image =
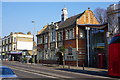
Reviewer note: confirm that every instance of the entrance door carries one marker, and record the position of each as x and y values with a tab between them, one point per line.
60	58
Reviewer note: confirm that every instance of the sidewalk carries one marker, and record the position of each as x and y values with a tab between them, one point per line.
73	67
87	70
66	66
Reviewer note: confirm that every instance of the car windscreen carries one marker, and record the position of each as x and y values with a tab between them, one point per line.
115	40
6	71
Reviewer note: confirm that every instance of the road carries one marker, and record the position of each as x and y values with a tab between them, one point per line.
40	72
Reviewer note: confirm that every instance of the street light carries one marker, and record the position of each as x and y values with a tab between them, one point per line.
88	51
33	41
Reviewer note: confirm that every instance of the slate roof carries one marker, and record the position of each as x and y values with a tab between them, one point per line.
68	22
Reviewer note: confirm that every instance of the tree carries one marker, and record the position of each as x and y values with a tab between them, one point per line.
101	15
113	21
62	49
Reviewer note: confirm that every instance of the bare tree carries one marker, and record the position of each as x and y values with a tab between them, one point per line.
113	21
101	15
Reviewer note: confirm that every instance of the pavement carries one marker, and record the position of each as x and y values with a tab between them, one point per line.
53	69
74	69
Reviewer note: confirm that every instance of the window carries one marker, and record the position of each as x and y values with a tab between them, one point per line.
14	39
8	40
6	48
60	36
41	41
46	39
53	35
82	35
69	34
14	47
9	47
66	34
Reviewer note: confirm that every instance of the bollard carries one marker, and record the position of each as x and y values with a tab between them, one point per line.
83	66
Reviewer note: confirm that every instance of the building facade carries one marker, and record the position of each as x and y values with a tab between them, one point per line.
16	44
66	41
113	12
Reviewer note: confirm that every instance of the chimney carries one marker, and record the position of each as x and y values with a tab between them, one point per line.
64	14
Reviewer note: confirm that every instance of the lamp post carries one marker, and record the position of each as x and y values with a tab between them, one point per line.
33	41
88	42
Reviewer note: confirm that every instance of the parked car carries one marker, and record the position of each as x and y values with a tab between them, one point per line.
6	72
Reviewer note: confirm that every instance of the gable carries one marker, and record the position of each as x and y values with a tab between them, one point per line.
87	18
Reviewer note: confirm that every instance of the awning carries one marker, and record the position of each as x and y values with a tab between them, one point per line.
15	52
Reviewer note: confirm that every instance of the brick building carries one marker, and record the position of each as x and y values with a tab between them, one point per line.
66	40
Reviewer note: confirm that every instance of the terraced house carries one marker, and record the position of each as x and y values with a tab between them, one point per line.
66	41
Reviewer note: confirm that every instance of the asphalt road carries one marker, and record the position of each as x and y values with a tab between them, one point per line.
39	72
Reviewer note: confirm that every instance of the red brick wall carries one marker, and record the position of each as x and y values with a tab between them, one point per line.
82	43
48	61
70	43
71	63
74	63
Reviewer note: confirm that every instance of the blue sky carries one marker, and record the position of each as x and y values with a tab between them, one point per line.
17	16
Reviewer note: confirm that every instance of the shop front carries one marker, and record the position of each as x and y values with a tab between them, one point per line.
14	55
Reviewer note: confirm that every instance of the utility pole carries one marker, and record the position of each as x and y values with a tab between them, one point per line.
33	41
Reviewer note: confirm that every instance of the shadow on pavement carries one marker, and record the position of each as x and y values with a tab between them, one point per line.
99	73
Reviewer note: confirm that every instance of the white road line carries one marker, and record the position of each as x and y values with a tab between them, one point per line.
95	76
45	73
34	73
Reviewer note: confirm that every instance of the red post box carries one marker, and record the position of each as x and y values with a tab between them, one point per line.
101	58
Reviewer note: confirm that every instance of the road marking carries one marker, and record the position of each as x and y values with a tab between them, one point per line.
34	73
44	73
96	76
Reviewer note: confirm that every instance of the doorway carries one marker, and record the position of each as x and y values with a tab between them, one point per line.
60	58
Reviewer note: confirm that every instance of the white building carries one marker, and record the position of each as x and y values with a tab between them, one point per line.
15	44
113	19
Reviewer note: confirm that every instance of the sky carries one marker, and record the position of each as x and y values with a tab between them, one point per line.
18	16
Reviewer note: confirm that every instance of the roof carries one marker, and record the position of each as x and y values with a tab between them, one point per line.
99	26
46	28
70	21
